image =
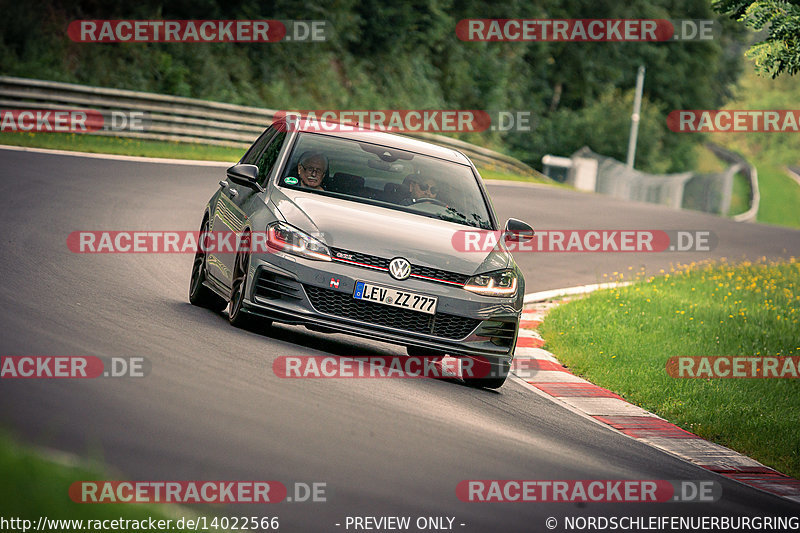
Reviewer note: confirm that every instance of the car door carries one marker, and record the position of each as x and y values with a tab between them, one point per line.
231	215
236	203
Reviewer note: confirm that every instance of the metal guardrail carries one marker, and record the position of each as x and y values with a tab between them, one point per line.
750	172
710	192
175	118
794	173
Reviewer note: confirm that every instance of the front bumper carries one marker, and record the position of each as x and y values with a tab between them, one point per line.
293	290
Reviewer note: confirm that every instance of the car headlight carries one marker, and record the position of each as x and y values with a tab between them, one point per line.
500	283
282	236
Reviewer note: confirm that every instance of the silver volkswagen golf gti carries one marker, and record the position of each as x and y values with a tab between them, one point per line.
356	232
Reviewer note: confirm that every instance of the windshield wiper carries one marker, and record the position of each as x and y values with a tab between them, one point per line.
454	215
456	212
478	220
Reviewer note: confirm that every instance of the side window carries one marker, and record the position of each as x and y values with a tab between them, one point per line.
268	158
252	154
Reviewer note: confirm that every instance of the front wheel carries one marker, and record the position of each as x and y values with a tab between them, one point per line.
236	316
485	374
199	294
417	351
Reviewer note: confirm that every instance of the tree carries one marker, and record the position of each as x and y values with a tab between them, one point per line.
780	51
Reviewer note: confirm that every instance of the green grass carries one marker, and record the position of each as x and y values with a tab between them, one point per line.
621	339
769	152
122	146
495	174
740	196
780	195
34	486
707	161
178	150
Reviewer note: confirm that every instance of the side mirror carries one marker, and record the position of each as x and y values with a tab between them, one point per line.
517	231
246	175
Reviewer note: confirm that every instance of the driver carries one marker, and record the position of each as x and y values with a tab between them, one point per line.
311	169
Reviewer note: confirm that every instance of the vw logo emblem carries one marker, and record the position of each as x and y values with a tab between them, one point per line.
399	268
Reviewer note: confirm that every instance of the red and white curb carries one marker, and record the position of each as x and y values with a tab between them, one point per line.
541	371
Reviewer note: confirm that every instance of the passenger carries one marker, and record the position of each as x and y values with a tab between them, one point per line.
420	187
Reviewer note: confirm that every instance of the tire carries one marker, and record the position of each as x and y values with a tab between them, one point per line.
493	374
199	294
236	315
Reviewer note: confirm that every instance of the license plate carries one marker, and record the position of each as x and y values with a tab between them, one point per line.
395	298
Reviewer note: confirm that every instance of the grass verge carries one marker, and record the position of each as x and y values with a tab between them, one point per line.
769	152
100	144
178	150
34	486
495	174
780	195
622	338
740	196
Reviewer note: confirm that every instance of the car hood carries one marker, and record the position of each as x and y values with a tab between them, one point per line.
383	232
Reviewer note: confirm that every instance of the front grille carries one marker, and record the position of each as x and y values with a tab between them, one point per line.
416	270
364	259
443	275
344	305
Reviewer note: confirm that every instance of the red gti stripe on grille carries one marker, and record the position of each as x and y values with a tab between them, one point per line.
360	264
437	279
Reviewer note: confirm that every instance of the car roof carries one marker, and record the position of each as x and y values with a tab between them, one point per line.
389	140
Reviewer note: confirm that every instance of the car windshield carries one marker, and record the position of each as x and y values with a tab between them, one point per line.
391	178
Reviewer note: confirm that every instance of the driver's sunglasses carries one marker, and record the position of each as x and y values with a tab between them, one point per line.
313	170
425	186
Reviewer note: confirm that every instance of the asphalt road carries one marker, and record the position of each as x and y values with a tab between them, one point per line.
212	408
